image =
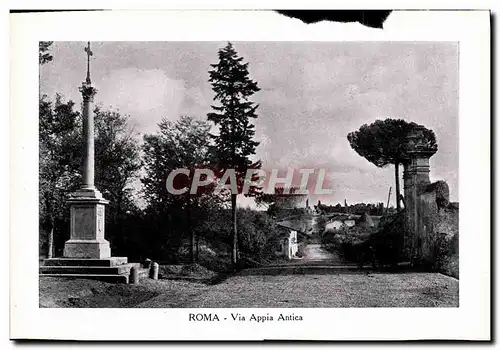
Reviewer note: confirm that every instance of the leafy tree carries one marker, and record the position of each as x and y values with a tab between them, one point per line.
43	55
320	224
234	144
385	142
46	150
117	152
256	227
61	157
58	172
180	144
116	173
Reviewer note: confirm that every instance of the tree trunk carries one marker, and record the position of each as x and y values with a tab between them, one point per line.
50	248
117	237
192	247
191	233
396	173
50	253
234	255
197	247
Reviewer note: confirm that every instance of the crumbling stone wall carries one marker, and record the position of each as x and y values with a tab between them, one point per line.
436	236
431	234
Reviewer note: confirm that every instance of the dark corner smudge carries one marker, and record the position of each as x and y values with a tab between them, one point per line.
369	18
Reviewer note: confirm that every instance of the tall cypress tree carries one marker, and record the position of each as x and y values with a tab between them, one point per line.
233	115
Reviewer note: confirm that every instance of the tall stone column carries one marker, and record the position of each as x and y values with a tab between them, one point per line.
87	206
88	93
409	207
416	178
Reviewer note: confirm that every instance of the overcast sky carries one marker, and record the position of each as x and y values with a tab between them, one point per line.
312	95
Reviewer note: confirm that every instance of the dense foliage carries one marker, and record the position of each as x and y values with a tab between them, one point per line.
58	170
381	246
43	52
357	208
180	144
61	156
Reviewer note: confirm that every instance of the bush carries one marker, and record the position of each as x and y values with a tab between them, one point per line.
254	229
380	247
347	242
387	243
445	255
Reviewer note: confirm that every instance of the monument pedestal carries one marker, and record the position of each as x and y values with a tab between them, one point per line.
87	226
87	254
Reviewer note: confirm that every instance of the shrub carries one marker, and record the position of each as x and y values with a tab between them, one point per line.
254	230
382	246
445	255
387	242
346	242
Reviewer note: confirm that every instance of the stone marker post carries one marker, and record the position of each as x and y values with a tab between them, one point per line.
134	275
153	271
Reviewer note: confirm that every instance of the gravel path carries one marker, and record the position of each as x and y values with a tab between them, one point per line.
335	290
344	289
314	251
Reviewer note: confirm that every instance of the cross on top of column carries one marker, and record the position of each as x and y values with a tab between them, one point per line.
86	89
89	53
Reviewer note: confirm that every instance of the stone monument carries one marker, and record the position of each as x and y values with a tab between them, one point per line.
87	204
87	253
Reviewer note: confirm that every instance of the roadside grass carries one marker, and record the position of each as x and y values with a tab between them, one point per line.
86	293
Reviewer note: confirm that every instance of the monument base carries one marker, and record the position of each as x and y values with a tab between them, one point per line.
87	254
87	226
115	269
86	249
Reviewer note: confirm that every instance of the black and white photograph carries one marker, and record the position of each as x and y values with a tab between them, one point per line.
239	182
349	151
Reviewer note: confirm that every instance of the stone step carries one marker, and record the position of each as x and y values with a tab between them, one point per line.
92	270
108	262
104	278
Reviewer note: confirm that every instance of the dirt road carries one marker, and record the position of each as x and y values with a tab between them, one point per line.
330	290
314	251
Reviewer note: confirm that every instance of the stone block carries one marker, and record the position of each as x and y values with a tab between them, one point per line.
90	270
107	262
105	278
87	249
